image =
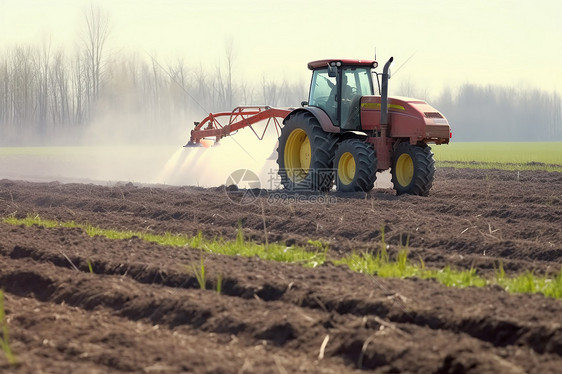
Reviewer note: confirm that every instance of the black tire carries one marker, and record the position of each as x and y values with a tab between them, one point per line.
302	168
413	169
356	165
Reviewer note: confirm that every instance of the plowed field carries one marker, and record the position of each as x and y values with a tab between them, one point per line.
142	310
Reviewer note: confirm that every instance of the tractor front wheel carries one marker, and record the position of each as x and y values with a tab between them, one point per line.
413	169
305	154
356	165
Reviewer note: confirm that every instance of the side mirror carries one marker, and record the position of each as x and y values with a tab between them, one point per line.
304	103
332	71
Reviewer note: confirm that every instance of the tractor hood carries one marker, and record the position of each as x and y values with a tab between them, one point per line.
408	118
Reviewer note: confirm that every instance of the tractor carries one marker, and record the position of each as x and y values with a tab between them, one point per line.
344	133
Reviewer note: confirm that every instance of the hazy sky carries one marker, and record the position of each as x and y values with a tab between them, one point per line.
479	41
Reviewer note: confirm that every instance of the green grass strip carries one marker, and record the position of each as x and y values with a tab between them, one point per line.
531	166
373	263
5	336
502	152
401	267
238	247
546	156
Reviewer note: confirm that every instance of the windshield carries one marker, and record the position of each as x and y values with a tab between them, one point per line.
355	83
323	92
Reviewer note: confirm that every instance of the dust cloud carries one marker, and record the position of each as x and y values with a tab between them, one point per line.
212	166
116	154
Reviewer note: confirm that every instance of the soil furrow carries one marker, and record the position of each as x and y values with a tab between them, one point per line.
286	285
277	325
142	310
56	338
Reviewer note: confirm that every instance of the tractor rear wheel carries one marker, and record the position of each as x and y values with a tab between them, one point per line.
356	166
413	169
305	154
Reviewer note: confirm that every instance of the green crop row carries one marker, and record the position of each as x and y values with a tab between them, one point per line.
238	247
380	264
377	262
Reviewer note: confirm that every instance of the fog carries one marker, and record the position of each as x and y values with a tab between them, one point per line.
480	113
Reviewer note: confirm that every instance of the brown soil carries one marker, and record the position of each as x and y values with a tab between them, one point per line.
142	309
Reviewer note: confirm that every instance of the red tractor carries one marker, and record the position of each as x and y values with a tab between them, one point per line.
345	133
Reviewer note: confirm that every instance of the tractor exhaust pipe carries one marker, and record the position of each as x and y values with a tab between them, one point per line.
384	92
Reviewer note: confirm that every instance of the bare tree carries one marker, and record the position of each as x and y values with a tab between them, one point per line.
178	83
230	57
96	34
78	90
270	92
24	85
409	89
59	82
202	89
219	100
4	92
247	93
42	93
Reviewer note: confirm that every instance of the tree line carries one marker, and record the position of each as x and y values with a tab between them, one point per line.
494	113
47	94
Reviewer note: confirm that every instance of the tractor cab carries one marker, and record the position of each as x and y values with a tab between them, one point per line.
337	87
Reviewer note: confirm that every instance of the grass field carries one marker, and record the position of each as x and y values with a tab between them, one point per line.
510	156
481	155
72	151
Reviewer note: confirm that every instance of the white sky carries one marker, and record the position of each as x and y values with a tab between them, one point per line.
513	43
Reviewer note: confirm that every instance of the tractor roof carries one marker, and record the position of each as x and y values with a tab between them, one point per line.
342	62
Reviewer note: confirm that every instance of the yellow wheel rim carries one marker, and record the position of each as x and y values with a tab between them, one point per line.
297	155
346	168
404	169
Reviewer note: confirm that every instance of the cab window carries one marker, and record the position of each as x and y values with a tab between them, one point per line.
323	91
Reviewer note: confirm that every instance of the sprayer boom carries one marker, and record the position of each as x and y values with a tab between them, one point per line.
240	117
